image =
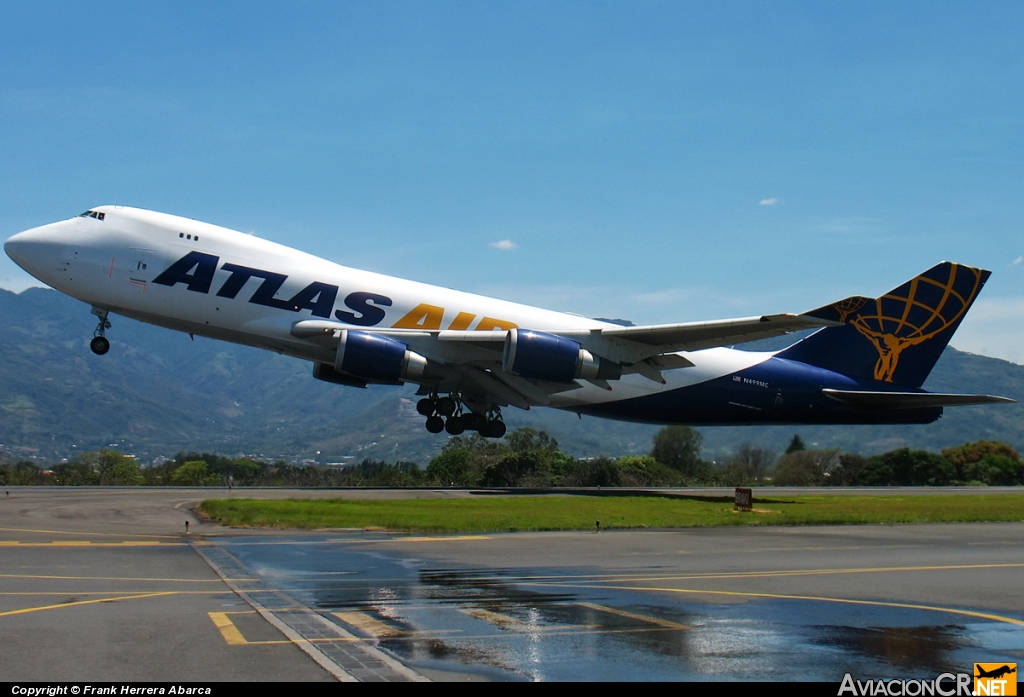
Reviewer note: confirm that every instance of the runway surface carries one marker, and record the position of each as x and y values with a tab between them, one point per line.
103	584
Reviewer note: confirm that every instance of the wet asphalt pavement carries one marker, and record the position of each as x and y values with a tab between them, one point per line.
570	623
104	584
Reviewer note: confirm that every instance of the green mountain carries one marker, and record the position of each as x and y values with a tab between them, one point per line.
158	392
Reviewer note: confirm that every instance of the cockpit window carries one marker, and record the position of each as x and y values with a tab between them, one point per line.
93	214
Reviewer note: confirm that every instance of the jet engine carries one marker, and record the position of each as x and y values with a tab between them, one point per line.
327	373
378	358
541	356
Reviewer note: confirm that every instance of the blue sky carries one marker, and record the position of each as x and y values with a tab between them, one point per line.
656	161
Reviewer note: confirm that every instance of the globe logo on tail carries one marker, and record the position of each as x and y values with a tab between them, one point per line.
912	314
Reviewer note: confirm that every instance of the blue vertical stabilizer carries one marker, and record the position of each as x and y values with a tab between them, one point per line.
898	337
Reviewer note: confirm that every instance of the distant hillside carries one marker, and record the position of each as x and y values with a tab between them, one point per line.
158	392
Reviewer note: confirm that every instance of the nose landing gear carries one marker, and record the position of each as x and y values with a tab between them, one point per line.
100	344
447	414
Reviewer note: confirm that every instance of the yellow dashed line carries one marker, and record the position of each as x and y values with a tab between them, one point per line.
625	578
809	572
59	606
118	592
240	640
496	618
438	539
512	624
847	601
368	624
634	616
227	628
86	534
90	543
115	578
234	637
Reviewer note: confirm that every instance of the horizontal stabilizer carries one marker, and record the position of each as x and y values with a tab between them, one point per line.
909	400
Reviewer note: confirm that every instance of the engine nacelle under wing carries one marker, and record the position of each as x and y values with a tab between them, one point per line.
553	358
375	357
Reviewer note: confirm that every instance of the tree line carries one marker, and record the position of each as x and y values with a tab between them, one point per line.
530	458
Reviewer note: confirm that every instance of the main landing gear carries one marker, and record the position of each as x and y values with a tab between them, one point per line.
448	414
100	344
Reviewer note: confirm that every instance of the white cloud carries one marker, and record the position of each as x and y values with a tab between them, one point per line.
769	202
503	244
1017	261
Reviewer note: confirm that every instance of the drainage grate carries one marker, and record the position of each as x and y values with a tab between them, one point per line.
346	656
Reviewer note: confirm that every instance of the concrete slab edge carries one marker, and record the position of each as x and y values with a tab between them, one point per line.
312	651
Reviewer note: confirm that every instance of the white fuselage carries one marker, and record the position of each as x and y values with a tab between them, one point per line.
240	288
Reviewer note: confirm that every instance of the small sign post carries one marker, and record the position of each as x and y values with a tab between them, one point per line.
744	499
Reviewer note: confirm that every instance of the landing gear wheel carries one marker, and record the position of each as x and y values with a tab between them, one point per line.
454	425
99	345
446	406
425	406
435	424
493	429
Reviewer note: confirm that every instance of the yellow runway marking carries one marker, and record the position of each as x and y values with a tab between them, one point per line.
620	578
266	542
811	572
87	534
370	625
495	618
117	578
634	616
26	610
90	543
234	637
227	628
119	592
780	596
513	624
437	539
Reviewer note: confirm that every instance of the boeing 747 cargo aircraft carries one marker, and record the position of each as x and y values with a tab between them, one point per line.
471	355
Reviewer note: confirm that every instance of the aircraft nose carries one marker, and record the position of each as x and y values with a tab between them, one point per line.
36	250
11	248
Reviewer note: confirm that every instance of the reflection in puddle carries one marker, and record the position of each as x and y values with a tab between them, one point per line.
524	624
907	648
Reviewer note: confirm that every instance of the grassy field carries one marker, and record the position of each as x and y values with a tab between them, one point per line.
511	513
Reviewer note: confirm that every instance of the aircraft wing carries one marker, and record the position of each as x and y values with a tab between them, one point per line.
635	344
693	336
472	359
623	344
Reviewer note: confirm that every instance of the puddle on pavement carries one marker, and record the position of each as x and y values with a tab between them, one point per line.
517	624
